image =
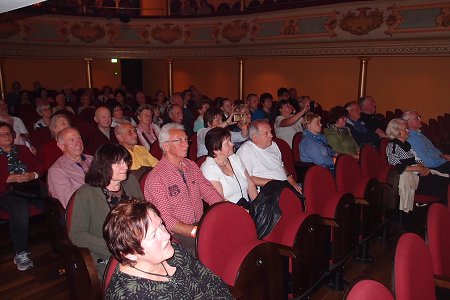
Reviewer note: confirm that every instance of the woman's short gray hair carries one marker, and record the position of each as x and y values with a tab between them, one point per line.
164	135
143	107
41	107
54	119
395	126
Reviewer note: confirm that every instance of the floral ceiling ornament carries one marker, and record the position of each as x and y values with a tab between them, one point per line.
145	34
166	33
290	27
235	31
255	28
361	21
63	31
393	20
8	27
443	20
331	23
88	32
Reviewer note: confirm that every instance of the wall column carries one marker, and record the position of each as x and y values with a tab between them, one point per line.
89	80
241	79
170	76
168	8
363	62
242	5
2	80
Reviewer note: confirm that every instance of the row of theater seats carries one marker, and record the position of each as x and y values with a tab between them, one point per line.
304	241
420	272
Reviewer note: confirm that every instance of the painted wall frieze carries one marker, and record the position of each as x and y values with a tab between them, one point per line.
88	32
361	21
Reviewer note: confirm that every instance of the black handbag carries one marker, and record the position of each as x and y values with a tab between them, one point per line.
28	189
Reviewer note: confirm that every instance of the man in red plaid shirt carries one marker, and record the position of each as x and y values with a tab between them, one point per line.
176	186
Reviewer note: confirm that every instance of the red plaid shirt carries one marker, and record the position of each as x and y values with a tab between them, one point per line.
176	200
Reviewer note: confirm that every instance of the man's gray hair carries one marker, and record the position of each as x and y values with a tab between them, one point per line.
253	128
164	135
406	115
60	136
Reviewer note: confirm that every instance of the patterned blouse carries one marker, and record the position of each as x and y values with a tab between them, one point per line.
400	155
190	281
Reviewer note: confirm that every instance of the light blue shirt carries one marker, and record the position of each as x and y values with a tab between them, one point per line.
425	149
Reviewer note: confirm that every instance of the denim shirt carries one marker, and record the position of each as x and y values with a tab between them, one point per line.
425	150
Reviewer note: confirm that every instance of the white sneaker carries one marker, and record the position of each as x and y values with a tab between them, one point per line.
22	261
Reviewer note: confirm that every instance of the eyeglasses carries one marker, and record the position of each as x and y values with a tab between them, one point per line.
179	141
5	134
405	129
416	118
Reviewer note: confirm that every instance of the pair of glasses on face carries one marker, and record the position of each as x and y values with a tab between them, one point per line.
180	140
6	134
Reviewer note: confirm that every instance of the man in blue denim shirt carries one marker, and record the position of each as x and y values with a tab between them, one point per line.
425	150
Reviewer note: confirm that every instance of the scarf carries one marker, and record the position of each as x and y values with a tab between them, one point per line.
15	166
404	145
341	131
321	139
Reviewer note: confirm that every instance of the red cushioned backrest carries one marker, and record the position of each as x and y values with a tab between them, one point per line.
438	228
143	178
370	161
199	161
295	146
193	147
108	274
383	144
69	212
369	290
318	188
413	270
293	214
286	156
40	136
155	150
348	173
226	233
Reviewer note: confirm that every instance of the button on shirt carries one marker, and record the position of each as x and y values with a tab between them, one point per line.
65	176
425	149
179	199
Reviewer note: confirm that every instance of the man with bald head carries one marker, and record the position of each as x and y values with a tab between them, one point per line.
432	157
103	133
368	116
187	114
66	175
126	134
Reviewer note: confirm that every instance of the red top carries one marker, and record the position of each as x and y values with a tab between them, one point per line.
175	199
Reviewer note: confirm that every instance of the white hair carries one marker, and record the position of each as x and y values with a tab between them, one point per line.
164	133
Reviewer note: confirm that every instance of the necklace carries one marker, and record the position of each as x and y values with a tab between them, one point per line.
224	164
169	277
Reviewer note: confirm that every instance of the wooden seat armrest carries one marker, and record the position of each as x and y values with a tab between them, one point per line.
442	281
330	222
361	201
287	251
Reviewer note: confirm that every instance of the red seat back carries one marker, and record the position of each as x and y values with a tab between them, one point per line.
413	270
370	161
369	290
348	176
143	178
286	156
193	147
155	150
69	212
199	161
40	136
225	236
295	146
318	188
383	144
109	271
438	227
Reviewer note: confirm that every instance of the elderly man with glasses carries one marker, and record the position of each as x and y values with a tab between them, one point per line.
432	157
176	186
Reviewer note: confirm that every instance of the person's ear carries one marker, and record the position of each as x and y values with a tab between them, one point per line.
131	257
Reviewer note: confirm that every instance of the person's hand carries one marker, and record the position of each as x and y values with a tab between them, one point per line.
229	121
446	156
292	181
424	171
19	178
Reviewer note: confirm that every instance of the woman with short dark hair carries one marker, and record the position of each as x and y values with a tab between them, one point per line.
107	183
225	170
150	266
338	135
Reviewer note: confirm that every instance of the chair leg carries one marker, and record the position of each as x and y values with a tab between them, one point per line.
338	283
363	256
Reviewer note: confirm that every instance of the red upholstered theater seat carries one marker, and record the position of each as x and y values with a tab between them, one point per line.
286	156
227	244
199	161
438	238
193	147
369	290
306	237
109	271
155	150
413	270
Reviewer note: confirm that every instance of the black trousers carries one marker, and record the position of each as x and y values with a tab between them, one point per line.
17	208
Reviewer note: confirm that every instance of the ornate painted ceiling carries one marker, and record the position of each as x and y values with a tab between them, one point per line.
357	28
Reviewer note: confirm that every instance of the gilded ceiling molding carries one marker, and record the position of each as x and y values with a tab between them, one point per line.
330	50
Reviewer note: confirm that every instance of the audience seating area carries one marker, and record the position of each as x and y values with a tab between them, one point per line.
313	239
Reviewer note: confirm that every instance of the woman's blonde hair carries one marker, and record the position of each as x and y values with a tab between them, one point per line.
395	126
